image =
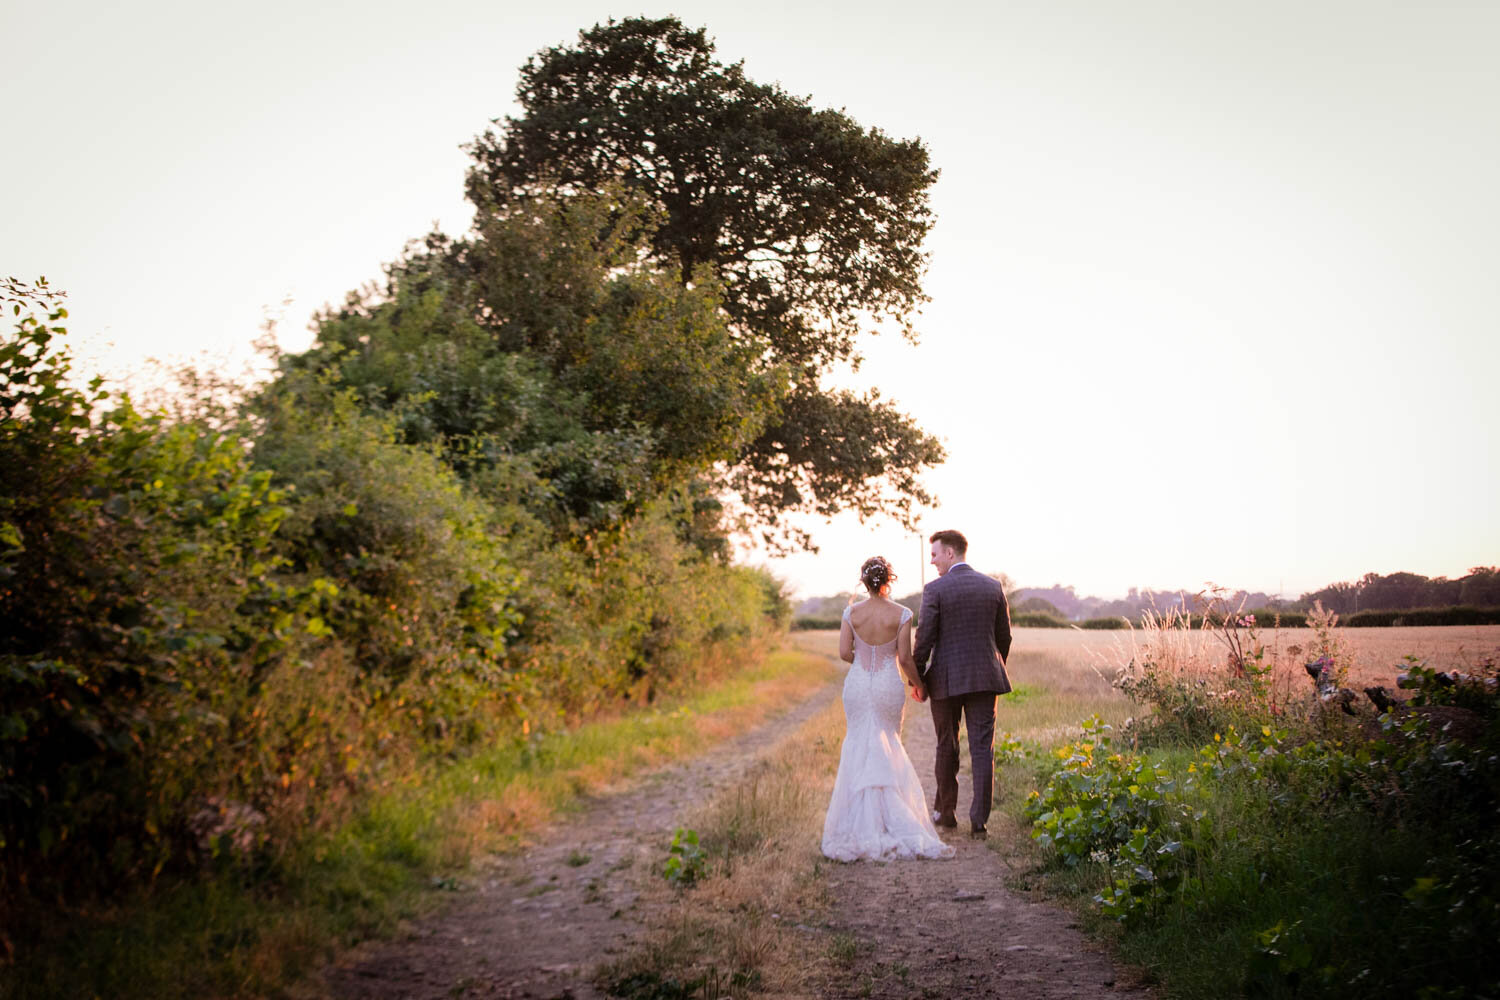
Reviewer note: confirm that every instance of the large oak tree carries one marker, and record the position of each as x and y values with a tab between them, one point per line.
811	224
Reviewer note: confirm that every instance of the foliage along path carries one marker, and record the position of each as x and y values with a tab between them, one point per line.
538	923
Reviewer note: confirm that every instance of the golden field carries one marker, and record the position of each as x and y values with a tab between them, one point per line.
1374	654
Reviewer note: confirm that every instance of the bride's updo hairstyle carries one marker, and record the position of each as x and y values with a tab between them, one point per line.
876	574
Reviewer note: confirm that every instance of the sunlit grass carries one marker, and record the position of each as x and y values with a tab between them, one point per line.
240	933
1052	693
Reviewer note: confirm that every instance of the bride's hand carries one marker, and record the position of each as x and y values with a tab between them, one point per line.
918	692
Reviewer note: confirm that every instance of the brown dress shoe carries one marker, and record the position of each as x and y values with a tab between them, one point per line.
978	833
948	822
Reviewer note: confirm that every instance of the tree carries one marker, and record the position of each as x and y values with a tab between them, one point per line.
811	225
1007	586
1481	587
548	351
1036	606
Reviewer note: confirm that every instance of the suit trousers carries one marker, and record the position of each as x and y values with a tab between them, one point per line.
978	711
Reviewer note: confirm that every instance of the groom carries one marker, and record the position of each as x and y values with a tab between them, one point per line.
965	628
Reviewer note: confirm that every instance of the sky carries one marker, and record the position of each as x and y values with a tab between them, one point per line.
1213	285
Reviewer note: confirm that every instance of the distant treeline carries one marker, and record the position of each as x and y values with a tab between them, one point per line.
1480	588
1272	617
1264	618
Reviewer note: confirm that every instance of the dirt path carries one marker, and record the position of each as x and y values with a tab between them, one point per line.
951	928
535	924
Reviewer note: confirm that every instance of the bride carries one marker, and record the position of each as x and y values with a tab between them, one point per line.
878	810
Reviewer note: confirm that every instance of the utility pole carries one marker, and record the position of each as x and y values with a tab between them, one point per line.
922	562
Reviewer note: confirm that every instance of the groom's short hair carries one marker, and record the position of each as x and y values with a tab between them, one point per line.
955	540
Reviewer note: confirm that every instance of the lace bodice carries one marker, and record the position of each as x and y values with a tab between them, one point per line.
874	692
872	657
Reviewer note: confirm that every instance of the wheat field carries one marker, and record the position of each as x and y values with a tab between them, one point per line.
1375	655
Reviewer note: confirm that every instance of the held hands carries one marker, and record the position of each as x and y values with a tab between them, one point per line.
918	692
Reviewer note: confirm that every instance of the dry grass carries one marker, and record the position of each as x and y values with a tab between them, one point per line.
1052	693
743	929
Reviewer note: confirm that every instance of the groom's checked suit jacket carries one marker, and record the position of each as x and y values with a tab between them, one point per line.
965	627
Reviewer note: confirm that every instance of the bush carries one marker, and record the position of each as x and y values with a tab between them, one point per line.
216	635
132	546
1279	859
1101	800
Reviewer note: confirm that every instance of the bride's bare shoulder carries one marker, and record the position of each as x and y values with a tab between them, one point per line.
874	616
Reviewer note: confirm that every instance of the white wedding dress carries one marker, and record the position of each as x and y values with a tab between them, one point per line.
878	810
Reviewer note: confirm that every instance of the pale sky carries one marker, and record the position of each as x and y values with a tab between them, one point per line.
1214	285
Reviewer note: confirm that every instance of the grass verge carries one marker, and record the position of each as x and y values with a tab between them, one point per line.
246	932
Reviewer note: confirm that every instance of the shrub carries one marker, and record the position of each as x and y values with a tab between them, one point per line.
1196	689
686	860
132	544
219	633
1298	850
1101	796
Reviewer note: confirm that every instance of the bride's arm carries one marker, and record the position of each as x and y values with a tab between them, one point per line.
904	659
846	641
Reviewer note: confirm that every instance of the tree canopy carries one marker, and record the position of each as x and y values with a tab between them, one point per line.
551	359
810	224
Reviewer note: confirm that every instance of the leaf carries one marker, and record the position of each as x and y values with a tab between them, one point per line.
1420	889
